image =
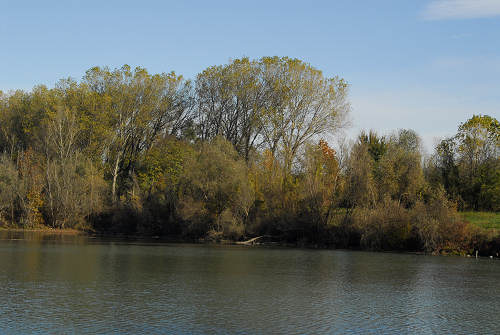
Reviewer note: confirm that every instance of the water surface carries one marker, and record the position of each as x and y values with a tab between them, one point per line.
75	284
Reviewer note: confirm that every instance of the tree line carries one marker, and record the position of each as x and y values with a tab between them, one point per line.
242	150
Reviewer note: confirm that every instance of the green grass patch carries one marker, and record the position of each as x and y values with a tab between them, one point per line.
485	220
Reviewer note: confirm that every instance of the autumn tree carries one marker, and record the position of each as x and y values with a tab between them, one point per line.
215	193
321	180
307	105
468	164
400	173
230	101
281	103
139	107
478	144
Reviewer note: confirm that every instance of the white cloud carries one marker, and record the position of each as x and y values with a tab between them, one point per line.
461	9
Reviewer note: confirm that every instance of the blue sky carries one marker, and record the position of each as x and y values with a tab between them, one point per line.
421	64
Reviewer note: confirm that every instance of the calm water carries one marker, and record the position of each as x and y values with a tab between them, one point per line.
67	284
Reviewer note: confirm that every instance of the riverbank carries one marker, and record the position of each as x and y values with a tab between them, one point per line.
46	230
488	245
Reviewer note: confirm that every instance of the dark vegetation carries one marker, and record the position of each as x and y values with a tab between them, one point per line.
238	152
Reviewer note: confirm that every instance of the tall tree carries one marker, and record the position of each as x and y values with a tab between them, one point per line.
279	102
139	108
303	104
230	99
478	144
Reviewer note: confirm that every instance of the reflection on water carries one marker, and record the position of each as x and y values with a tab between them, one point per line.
67	284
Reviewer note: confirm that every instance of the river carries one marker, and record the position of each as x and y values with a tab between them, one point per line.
64	284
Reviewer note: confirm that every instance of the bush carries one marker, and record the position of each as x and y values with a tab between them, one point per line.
385	227
214	191
439	228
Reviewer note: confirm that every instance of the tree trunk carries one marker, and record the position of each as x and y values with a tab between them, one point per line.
115	176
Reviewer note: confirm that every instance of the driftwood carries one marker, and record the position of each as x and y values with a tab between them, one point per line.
255	240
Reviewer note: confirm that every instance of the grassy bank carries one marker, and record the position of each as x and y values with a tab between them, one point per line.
489	221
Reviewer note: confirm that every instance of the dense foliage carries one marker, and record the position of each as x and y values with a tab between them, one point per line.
236	153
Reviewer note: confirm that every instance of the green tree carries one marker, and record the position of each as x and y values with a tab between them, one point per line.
139	107
230	101
478	144
215	194
303	104
11	190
